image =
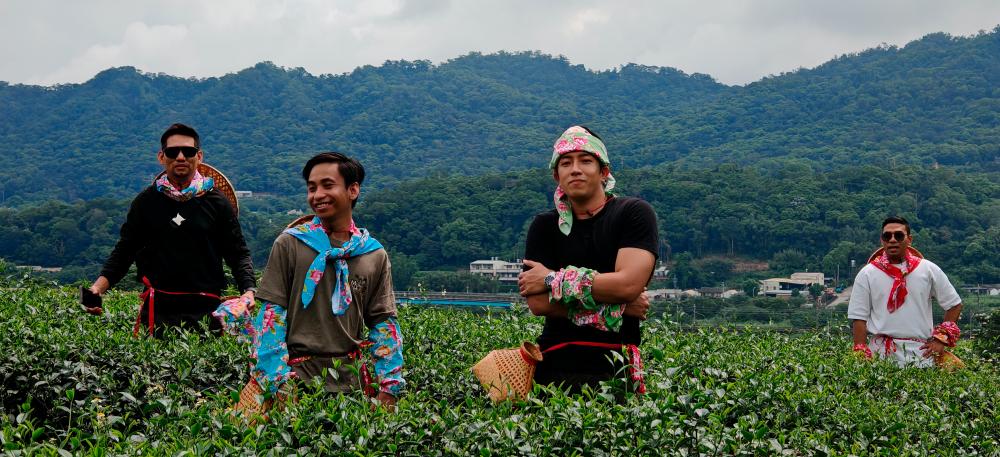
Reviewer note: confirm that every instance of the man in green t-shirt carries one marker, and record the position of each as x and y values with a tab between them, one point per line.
326	294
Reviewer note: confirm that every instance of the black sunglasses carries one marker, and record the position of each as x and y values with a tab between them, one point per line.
173	151
888	236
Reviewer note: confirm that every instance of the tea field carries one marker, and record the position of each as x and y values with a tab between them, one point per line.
79	384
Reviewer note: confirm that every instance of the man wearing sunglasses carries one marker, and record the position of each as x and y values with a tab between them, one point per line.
891	300
178	232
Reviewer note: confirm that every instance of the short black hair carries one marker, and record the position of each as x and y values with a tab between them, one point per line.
350	169
896	220
179	129
592	133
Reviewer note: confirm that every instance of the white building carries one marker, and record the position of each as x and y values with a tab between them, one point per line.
783	287
664	294
983	289
730	293
500	270
813	278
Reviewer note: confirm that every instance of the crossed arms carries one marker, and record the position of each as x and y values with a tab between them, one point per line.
633	267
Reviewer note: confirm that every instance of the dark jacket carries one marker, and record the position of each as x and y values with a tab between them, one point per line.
180	246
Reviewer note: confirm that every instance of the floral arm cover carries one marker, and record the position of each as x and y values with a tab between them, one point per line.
386	348
571	288
947	333
265	331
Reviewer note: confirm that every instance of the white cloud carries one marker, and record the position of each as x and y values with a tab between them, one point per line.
585	21
50	41
140	44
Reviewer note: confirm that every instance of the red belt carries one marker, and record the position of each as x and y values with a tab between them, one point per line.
635	371
150	294
890	342
363	373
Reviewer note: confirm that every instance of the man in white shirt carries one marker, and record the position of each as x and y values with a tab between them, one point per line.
891	300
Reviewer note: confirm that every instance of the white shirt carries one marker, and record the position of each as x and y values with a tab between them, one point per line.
870	298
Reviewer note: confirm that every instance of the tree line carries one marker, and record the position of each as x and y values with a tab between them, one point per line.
792	217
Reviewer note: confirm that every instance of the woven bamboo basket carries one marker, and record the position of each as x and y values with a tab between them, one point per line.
300	220
948	362
508	373
252	406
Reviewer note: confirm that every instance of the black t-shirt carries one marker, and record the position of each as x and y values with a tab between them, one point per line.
593	243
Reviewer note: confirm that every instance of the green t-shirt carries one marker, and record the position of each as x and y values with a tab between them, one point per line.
315	331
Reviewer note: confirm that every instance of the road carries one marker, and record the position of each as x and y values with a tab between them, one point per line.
841	297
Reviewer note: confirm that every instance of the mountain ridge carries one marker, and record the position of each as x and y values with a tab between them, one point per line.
931	102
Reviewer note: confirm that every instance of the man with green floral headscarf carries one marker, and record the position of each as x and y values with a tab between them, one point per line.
587	263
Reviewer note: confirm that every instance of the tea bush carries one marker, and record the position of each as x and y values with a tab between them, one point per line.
75	383
988	342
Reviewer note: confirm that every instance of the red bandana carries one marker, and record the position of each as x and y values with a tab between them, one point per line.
898	293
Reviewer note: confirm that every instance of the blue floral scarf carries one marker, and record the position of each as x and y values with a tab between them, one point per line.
313	235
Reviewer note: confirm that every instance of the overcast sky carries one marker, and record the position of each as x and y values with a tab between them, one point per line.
737	42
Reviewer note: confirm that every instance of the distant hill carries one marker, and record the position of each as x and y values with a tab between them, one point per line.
471	115
934	101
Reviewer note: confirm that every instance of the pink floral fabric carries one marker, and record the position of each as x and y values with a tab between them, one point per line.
576	138
947	332
571	287
199	185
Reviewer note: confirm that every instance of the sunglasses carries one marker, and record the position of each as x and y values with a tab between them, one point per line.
173	151
889	236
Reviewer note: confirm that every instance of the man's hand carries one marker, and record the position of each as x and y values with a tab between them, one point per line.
100	285
248	298
240	305
638	308
91	301
932	348
532	280
386	401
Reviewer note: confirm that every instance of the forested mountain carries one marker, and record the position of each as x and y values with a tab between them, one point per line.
936	100
471	115
793	217
796	169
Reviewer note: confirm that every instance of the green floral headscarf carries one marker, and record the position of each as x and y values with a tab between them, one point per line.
577	138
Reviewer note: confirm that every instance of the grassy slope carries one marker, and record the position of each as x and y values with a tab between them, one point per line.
94	389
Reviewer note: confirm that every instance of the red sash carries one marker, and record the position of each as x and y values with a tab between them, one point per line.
635	371
898	293
889	343
149	294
